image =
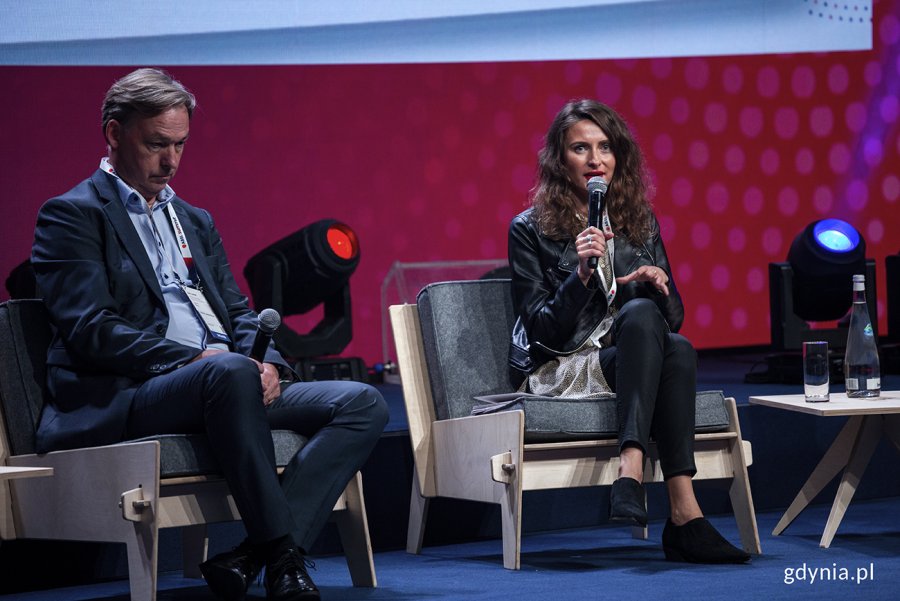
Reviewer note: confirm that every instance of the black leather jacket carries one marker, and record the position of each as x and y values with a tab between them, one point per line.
556	311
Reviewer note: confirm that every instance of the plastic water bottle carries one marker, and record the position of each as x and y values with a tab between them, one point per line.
862	373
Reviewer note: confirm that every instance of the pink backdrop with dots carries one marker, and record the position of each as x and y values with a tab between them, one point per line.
430	162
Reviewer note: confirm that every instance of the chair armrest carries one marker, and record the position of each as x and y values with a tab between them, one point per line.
88	483
464	448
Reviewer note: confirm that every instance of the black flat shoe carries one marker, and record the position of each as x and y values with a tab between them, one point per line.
229	574
627	502
698	542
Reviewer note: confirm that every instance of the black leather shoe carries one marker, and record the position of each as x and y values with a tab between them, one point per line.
287	579
699	542
229	574
626	502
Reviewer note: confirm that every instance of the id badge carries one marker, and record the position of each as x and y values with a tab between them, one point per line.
204	310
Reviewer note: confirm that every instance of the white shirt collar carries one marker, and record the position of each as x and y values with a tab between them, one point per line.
130	197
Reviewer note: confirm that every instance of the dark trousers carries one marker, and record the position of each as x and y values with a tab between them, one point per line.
654	375
221	396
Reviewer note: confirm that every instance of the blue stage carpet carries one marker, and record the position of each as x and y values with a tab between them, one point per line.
606	563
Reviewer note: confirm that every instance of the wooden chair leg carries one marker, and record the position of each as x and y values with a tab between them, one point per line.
418	514
194	546
511	523
353	528
142	551
741	497
742	500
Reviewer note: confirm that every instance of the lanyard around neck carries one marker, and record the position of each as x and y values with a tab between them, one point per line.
610	255
182	242
180	237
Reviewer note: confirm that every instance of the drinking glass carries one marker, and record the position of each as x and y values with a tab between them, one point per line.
815	371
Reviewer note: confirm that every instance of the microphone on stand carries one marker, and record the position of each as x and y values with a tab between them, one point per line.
596	195
269	320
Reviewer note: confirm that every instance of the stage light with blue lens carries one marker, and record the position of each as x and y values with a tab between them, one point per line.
835	235
824	257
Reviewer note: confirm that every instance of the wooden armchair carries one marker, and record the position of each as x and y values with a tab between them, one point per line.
452	346
125	492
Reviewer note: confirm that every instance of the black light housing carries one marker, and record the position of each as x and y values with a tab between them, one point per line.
824	257
892	273
294	275
815	284
890	348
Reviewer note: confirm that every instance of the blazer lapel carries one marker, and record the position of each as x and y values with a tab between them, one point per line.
131	242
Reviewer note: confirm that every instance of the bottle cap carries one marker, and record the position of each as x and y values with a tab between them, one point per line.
859	278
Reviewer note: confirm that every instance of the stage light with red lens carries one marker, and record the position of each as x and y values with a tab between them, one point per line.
343	241
296	274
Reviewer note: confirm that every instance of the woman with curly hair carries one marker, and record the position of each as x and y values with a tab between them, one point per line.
593	331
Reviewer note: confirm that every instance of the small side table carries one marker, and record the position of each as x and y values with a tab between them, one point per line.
870	419
12	473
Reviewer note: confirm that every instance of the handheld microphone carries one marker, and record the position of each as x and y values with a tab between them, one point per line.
596	194
269	320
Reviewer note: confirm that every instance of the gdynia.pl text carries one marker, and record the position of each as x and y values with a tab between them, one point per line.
810	575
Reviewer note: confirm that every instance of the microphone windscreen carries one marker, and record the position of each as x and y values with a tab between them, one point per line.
269	320
597	184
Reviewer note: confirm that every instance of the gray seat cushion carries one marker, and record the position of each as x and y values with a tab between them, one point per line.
549	419
190	454
466	329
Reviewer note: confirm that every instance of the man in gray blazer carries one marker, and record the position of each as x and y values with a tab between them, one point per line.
153	337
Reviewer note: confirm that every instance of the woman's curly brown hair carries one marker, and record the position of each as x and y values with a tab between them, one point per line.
557	209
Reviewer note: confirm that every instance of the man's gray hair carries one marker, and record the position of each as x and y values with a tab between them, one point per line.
145	93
